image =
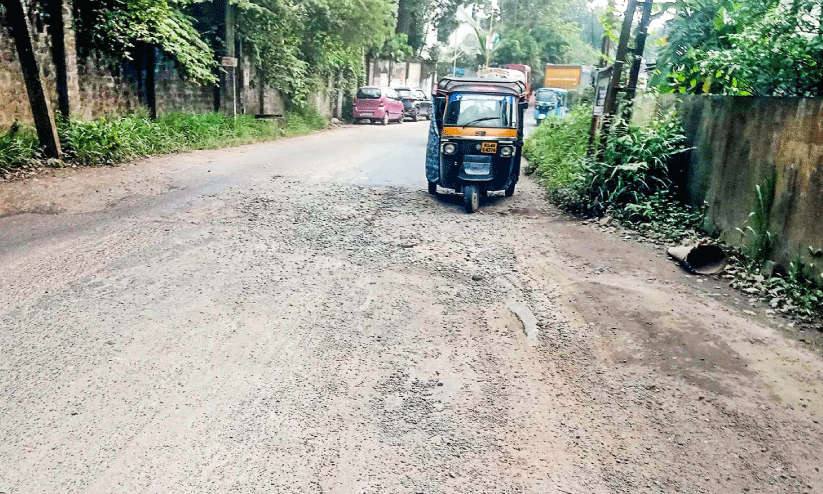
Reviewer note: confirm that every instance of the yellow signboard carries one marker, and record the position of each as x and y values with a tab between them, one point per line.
563	76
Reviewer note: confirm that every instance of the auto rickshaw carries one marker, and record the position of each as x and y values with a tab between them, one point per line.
549	102
476	137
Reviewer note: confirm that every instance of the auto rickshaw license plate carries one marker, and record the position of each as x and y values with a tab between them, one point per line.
488	147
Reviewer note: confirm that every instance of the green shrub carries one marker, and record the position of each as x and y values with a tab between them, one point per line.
633	165
556	153
109	141
631	169
19	148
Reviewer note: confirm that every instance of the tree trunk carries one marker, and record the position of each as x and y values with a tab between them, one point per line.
149	60
404	16
40	111
56	29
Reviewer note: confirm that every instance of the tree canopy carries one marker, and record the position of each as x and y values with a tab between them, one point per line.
745	47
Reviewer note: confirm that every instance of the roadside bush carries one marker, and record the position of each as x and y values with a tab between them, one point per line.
114	140
556	153
633	165
108	141
19	148
303	121
630	178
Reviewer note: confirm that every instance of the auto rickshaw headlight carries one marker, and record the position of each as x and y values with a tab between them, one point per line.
506	151
449	148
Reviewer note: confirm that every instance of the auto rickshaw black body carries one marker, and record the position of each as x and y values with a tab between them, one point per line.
476	137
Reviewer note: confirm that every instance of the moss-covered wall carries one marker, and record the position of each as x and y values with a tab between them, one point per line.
741	142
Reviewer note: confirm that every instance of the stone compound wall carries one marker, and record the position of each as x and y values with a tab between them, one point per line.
173	94
95	92
739	143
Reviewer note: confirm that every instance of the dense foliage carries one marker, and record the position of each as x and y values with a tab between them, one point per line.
632	168
292	43
116	29
537	32
530	32
747	47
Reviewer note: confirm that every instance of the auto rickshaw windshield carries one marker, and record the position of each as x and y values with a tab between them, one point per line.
547	95
481	110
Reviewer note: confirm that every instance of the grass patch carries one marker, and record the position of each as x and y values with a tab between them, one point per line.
19	148
109	141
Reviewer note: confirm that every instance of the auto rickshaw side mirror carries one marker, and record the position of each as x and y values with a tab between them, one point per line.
523	106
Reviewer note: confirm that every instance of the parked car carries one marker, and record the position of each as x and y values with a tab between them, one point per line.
377	104
415	103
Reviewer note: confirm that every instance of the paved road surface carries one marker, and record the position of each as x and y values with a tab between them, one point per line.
302	317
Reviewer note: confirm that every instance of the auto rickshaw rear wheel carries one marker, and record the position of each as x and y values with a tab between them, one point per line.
510	191
432	188
471	198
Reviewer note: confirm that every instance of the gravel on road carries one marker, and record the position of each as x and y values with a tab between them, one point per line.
296	335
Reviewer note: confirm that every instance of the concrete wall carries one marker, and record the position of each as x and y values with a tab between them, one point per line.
398	74
738	143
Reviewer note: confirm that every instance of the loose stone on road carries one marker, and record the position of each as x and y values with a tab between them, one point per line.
302	316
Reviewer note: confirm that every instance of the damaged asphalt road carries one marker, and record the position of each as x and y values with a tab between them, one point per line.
301	316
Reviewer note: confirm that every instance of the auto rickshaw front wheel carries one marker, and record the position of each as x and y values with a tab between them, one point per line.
432	188
471	198
510	191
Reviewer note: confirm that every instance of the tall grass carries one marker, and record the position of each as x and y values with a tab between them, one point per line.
109	141
556	153
19	148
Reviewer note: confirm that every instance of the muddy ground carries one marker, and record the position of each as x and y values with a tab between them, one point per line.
301	317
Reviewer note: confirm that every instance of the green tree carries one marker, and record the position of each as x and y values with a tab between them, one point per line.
537	32
115	28
761	47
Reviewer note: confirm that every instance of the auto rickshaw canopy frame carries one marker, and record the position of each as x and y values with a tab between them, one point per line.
449	85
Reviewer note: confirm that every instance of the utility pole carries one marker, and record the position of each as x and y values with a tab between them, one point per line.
610	104
229	62
40	111
639	48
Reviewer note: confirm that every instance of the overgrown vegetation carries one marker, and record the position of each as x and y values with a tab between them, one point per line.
19	148
556	153
630	177
630	181
745	47
115	140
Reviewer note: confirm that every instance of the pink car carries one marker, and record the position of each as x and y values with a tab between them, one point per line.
377	104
